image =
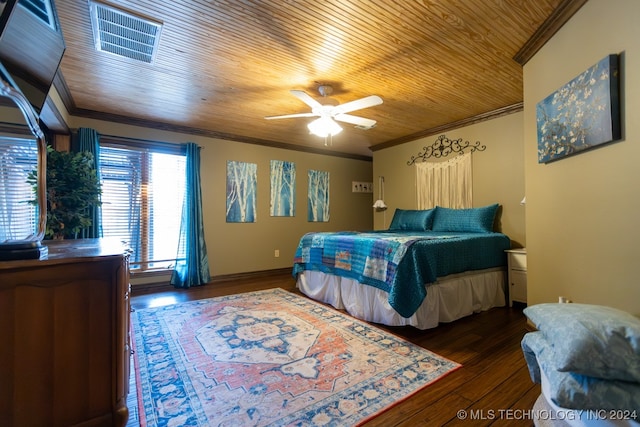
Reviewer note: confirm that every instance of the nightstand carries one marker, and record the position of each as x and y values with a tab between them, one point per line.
517	270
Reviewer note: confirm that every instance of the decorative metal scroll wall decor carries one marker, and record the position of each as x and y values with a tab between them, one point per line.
444	146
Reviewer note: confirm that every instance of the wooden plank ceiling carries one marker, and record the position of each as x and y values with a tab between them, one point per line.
222	66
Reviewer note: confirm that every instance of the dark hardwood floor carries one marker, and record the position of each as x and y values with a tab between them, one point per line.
493	386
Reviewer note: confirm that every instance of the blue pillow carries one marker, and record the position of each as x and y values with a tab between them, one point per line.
591	340
411	220
471	220
575	391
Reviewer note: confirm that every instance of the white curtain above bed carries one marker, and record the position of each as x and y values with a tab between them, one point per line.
447	184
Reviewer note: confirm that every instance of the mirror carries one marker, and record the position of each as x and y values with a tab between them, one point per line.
23	212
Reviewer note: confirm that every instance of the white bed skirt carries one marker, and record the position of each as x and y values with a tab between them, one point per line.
449	299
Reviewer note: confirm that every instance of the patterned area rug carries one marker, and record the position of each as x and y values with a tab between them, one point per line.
270	358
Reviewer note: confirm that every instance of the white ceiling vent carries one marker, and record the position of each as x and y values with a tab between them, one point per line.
123	33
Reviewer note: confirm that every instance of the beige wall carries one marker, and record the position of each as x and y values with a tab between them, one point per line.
497	172
582	211
247	247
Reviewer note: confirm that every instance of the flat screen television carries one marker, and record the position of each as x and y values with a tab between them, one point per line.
31	46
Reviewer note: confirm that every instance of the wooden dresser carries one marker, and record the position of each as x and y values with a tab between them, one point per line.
64	353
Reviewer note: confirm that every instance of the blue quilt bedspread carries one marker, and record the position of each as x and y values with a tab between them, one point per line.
399	263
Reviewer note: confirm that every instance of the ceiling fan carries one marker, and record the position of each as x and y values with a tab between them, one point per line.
328	113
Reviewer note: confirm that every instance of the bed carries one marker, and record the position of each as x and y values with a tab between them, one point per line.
430	266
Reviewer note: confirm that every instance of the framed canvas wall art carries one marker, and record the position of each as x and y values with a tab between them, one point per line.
582	114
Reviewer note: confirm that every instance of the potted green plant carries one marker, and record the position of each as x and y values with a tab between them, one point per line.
72	188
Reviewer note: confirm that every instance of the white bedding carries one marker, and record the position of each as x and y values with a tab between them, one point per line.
449	299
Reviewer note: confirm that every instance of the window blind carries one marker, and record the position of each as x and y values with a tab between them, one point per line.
18	217
41	9
142	197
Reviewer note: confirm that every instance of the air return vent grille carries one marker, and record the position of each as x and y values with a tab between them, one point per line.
123	33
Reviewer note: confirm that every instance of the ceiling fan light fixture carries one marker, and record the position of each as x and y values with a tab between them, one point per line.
324	127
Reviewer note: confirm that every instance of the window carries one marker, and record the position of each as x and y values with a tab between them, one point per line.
18	217
41	9
143	189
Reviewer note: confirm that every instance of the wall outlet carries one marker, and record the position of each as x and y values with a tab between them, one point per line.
276	253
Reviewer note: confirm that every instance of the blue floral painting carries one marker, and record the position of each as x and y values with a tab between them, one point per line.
241	191
283	188
582	114
318	196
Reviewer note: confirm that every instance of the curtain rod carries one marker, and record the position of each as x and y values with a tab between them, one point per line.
140	140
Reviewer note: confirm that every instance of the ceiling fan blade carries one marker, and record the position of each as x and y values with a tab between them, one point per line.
368	101
355	120
291	116
306	98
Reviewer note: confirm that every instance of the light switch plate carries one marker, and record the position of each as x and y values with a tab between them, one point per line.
361	187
